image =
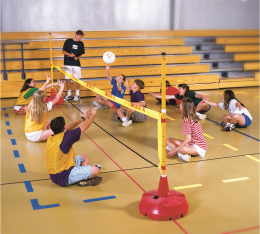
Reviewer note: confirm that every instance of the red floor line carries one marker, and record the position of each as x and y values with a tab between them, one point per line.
107	155
180	226
121	169
242	230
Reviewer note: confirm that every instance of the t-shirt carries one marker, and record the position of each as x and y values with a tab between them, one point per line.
116	92
75	47
191	94
70	137
194	129
233	109
173	91
137	96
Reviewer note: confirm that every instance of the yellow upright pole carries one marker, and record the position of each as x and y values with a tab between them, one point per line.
51	59
163	165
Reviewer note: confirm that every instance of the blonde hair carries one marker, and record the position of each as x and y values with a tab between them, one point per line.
37	107
189	110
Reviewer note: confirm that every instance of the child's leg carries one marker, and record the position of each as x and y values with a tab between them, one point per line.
226	118
103	101
238	119
173	144
202	106
191	150
129	113
121	113
94	169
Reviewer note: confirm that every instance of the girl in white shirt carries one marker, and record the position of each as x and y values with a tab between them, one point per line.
240	116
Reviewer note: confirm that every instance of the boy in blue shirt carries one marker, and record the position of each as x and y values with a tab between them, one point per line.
118	90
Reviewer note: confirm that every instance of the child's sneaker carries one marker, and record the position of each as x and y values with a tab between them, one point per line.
99	106
184	157
119	119
95	103
97	165
229	127
168	148
76	98
127	123
68	97
90	182
201	116
222	124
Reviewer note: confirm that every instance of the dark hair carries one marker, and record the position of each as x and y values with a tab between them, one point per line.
168	83
189	110
184	86
123	77
79	32
140	83
57	125
26	85
228	95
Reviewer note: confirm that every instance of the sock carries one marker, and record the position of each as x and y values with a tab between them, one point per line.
124	119
77	92
69	92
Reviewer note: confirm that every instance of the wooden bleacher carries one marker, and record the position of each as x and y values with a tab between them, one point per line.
138	56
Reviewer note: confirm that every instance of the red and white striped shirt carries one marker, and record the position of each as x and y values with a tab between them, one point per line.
194	129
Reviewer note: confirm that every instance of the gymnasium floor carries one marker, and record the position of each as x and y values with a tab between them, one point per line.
31	203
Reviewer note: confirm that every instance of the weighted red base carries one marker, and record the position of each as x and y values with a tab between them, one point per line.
170	205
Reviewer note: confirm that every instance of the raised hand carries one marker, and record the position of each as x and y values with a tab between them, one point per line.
48	78
86	114
94	111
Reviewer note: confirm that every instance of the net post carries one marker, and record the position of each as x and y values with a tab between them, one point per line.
51	59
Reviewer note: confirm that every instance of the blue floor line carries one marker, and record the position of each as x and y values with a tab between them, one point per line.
9	132
13	141
36	206
236	131
99	199
6	115
7	107
7	123
22	168
16	154
28	186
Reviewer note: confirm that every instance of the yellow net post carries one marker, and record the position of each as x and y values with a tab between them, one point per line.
51	60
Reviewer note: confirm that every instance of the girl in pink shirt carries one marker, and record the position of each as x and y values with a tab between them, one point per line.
194	143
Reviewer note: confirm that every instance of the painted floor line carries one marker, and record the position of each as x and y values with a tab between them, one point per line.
188	186
208	136
236	179
231	147
99	199
253	158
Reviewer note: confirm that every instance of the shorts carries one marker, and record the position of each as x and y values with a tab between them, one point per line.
74	71
34	136
21	111
200	151
137	116
78	172
203	112
113	104
248	121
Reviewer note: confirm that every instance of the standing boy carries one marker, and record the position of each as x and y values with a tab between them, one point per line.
72	50
118	90
62	165
137	98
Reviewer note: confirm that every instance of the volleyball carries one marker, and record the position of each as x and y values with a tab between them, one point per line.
109	57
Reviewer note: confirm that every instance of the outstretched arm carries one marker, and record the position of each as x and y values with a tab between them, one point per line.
201	96
211	103
107	72
56	99
160	96
76	123
88	122
127	85
46	83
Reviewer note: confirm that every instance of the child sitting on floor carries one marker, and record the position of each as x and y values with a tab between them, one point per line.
37	124
194	143
129	116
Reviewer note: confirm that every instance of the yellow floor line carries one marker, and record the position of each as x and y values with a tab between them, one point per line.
188	186
257	96
229	146
241	92
170	118
237	179
255	159
208	136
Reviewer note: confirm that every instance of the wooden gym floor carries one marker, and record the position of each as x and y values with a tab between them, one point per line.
222	189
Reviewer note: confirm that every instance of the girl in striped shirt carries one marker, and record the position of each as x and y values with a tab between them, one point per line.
194	143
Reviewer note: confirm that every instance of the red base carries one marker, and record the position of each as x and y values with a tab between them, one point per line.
48	99
170	206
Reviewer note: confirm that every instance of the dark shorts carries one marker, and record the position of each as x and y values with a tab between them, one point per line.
248	121
203	112
172	102
21	111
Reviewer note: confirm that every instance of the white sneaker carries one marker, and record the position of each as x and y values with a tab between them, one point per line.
168	148
76	98
201	116
68	97
184	157
127	123
95	103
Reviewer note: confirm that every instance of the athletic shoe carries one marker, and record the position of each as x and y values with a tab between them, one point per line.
201	116
68	97
222	124
127	123
90	182
184	157
76	98
97	165
168	148
119	119
101	106
229	127
95	103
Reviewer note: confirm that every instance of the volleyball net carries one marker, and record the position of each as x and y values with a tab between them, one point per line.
151	113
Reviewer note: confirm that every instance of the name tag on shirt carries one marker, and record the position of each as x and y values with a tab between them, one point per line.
74	47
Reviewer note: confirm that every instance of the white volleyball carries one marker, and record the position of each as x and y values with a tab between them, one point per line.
109	57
